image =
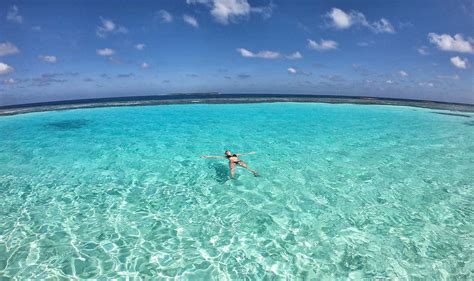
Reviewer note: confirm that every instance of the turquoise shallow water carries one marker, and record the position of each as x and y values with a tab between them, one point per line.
346	191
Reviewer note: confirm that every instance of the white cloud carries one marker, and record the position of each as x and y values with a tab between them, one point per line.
145	65
13	16
225	11
261	54
268	54
265	11
295	56
9	81
459	62
405	24
428	84
382	26
389	82
322	45
5	68
423	50
454	44
140	46
292	70
342	20
245	53
51	59
165	16
451	77
105	52
191	20
7	49
403	73
113	60
109	27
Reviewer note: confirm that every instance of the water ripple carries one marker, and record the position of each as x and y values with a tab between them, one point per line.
346	192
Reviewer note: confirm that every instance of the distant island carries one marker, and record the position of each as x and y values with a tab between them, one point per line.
218	98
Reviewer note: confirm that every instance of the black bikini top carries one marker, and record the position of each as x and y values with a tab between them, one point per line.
233	155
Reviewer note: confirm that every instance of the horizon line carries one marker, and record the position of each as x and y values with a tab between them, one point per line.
184	95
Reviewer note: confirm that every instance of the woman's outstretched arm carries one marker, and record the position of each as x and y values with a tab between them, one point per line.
242	154
206	156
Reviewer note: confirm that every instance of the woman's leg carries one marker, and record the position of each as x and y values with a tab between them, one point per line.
243	164
232	169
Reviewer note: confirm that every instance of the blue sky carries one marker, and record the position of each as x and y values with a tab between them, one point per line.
55	50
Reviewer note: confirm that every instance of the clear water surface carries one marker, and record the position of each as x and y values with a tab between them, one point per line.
346	191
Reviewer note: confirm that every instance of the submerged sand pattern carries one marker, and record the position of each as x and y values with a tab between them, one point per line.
346	191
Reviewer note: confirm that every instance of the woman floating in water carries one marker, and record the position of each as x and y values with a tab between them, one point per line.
234	160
